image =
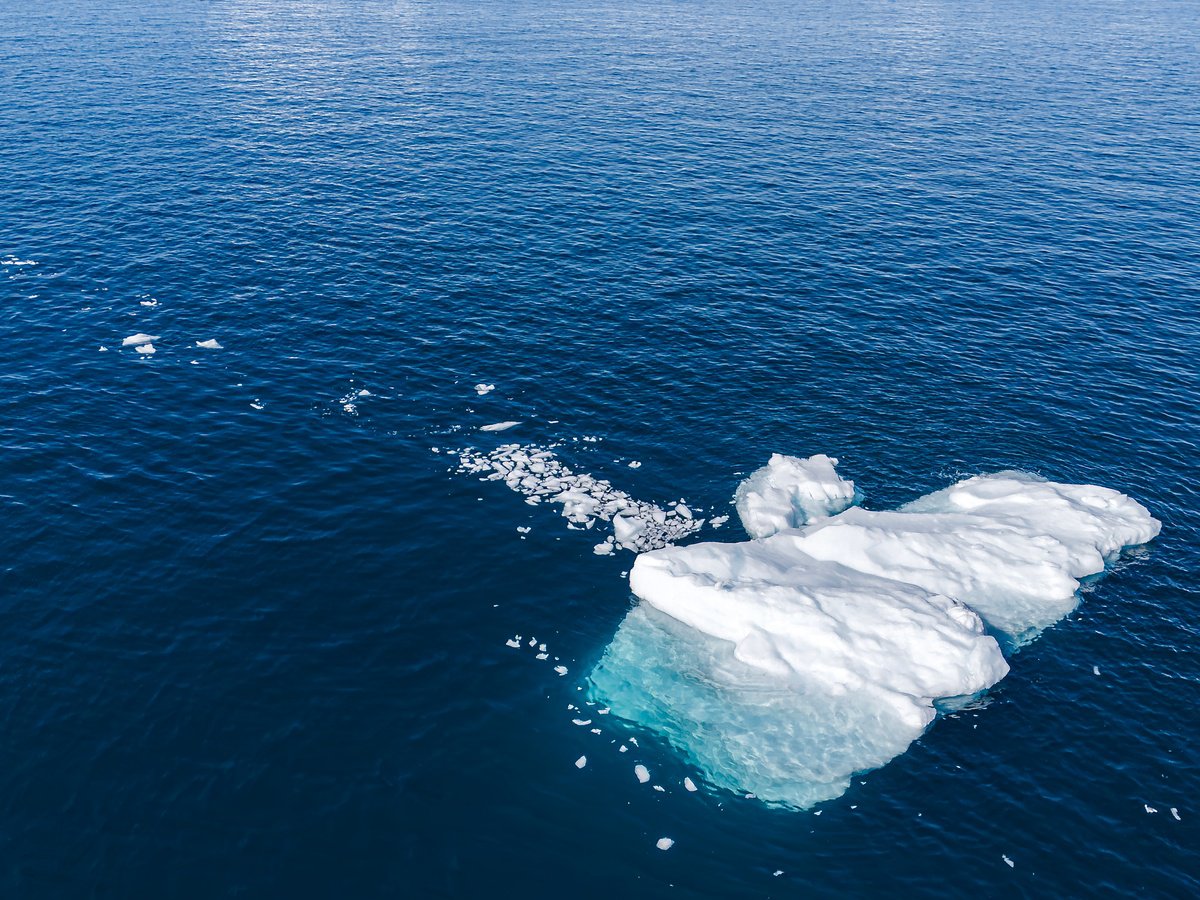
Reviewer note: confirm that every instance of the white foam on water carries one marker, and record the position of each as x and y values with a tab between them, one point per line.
139	338
782	665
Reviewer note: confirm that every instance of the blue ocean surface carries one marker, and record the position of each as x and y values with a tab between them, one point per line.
253	627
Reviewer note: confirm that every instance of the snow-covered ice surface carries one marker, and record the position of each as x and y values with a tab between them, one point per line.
788	492
784	664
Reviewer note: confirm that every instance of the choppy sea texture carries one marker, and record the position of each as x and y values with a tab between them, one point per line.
254	631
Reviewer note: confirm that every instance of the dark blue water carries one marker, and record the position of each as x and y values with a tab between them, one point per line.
260	651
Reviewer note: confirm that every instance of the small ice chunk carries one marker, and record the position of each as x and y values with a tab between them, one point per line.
482	389
542	648
603	549
682	510
210	344
561	670
642	773
150	303
689	784
1175	813
635	464
543	656
1149	808
1008	861
603	712
581	721
511	643
659	787
595	731
145	349
718	521
622	749
1095	670
664	843
581	762
499	426
523	529
139	338
257	404
103	349
777	872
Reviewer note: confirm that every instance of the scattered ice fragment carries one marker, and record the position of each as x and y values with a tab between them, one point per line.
1095	670
542	648
1007	861
561	670
542	656
523	529
150	303
533	642
257	404
633	741
595	731
605	548
146	349
718	521
777	872
635	464
1149	808
603	712
581	762
511	643
103	349
139	338
210	344
1175	813
689	784
581	721
622	749
664	843
482	389
660	788
642	773
499	426
819	811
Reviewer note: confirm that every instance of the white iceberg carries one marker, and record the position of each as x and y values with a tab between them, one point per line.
783	665
788	492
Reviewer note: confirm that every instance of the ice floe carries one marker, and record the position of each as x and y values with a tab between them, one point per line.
139	338
784	664
482	389
146	349
499	426
210	344
664	843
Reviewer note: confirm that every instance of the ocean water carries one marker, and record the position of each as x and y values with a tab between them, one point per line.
252	628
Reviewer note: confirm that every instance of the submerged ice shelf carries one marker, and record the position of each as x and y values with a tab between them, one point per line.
784	664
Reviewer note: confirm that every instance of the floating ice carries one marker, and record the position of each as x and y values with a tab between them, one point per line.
581	762
788	492
1008	862
642	773
1175	813
561	670
146	349
149	303
210	344
664	843
781	666
482	389
499	426
511	643
689	784
139	338
538	474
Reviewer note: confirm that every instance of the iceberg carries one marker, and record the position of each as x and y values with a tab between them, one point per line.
822	647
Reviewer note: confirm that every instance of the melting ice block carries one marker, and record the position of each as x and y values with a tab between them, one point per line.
788	492
783	665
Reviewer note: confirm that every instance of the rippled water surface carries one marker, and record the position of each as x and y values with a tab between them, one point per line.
252	629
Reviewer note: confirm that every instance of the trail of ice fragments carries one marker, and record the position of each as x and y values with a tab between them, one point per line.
784	664
538	474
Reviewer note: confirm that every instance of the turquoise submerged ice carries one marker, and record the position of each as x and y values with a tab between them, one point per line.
784	664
